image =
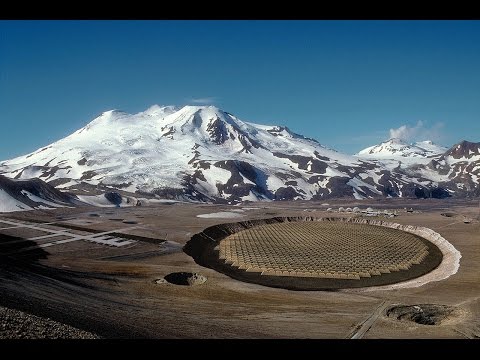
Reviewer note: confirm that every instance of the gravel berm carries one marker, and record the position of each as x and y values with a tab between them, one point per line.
15	324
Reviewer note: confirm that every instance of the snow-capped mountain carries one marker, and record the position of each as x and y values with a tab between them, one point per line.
203	153
396	150
456	169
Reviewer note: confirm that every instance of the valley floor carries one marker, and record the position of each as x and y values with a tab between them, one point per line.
96	269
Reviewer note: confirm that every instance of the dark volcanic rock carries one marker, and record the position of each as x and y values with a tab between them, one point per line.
286	193
464	149
236	187
114	197
218	131
316	166
185	278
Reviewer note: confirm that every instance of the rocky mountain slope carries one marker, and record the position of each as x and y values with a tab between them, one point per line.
455	171
20	195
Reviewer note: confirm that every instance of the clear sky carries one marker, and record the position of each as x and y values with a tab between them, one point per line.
349	84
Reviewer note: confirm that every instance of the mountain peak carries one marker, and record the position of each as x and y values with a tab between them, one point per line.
395	140
113	112
466	143
426	142
196	152
196	108
464	149
398	149
156	110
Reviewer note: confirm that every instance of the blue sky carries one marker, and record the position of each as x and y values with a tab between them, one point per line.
345	83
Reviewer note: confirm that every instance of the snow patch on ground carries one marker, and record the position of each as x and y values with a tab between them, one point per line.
356	195
220	215
250	197
67	184
100	201
40	200
356	183
274	183
10	204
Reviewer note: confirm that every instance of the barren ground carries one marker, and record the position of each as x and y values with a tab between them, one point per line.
110	290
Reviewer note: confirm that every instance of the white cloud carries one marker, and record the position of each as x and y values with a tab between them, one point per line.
418	132
205	100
